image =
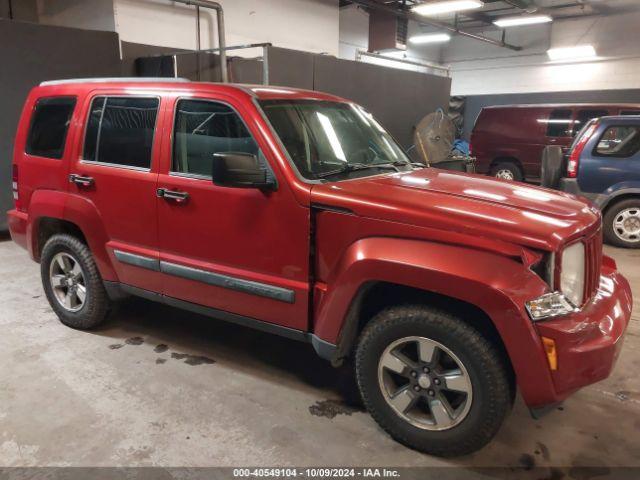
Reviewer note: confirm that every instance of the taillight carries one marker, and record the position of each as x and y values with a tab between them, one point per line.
576	151
14	186
470	149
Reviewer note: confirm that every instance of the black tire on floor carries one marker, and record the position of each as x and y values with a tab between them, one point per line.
491	391
609	219
509	167
551	170
96	305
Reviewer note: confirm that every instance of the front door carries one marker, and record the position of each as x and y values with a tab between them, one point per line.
114	170
238	250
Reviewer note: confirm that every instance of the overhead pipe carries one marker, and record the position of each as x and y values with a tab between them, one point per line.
425	21
528	6
198	43
221	36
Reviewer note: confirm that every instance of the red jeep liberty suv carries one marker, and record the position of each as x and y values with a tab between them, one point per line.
295	212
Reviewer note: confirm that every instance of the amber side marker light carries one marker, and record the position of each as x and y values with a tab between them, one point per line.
550	350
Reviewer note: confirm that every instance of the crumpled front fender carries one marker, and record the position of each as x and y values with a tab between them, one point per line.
496	284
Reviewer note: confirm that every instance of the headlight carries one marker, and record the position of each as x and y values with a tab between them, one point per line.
572	273
571	294
549	305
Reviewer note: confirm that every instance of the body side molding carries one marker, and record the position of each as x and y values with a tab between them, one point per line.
137	260
211	278
226	281
324	349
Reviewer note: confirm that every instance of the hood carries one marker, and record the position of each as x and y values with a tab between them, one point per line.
471	204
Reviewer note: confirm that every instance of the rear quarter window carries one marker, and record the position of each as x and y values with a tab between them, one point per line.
49	126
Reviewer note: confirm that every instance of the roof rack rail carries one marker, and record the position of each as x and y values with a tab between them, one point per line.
113	79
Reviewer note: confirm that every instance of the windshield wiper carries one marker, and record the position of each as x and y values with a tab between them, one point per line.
400	163
353	167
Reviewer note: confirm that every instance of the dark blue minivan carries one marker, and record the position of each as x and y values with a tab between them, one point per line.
604	166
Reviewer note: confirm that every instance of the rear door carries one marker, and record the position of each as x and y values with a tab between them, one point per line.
611	158
529	139
114	169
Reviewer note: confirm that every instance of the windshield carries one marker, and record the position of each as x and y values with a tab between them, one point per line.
333	139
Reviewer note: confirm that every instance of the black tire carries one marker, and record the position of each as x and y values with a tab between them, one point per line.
609	219
551	171
96	306
491	391
511	167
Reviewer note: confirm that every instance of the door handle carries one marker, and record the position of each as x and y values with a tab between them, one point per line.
179	197
81	180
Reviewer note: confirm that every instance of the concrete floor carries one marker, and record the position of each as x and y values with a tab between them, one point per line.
158	386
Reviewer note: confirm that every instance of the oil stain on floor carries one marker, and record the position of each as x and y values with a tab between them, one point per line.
192	360
331	408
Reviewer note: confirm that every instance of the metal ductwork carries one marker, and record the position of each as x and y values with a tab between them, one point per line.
221	36
526	5
373	4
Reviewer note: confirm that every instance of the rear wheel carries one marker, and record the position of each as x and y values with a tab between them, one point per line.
507	171
431	381
622	224
72	283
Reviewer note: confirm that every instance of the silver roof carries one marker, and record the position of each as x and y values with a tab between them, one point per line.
114	79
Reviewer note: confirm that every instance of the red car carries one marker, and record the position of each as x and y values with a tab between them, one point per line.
508	140
295	212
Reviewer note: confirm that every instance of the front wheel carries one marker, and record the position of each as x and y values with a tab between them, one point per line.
432	381
622	224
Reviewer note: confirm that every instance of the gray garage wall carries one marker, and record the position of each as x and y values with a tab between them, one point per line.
397	98
30	54
475	103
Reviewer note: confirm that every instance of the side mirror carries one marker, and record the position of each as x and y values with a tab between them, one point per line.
240	170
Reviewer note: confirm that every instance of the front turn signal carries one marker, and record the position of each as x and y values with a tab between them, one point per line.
552	353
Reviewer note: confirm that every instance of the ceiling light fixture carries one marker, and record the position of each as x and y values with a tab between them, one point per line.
572	53
430	38
506	22
446	6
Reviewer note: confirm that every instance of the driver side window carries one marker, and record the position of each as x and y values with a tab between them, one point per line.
203	128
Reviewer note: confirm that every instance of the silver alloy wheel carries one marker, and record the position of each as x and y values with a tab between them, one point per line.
626	225
505	174
425	383
67	282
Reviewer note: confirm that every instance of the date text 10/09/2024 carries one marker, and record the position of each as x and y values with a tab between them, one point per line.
316	472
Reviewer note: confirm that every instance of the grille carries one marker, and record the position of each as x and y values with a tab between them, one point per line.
593	253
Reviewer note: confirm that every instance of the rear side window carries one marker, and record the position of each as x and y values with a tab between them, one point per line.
630	112
559	123
203	128
49	126
585	115
619	141
120	131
